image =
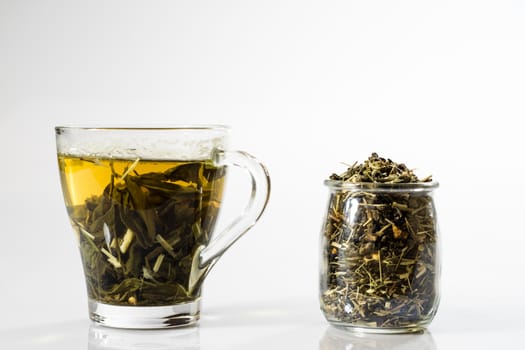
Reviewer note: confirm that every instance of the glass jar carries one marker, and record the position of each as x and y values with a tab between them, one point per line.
380	262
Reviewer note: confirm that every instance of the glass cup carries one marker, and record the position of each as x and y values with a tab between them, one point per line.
380	262
143	203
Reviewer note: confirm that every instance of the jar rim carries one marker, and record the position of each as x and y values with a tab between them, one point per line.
194	127
381	186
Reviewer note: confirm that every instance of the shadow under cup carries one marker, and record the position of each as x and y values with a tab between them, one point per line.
143	204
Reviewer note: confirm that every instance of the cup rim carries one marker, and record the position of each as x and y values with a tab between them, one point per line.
179	127
382	186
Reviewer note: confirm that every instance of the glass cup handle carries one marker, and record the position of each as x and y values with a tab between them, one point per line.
252	212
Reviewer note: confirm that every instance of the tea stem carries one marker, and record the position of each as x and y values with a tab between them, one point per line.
380	269
126	241
85	233
111	259
130	169
120	183
166	245
158	262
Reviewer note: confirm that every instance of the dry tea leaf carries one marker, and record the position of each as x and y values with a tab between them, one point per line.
379	248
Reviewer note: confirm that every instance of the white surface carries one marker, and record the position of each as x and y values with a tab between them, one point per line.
282	325
305	86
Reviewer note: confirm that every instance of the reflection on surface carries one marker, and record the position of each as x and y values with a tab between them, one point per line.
340	339
56	336
186	338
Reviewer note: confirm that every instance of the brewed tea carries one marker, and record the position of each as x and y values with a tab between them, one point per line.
141	224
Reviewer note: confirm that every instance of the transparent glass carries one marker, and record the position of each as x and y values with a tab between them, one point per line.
380	260
143	203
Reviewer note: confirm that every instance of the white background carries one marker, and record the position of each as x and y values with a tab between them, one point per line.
305	86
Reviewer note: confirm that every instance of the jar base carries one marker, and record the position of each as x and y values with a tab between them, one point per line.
144	317
414	329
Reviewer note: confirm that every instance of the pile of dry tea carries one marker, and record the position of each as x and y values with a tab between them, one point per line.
380	267
379	170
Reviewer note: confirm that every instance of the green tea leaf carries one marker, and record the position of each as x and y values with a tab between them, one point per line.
169	207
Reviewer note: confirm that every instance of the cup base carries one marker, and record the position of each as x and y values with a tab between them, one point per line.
144	317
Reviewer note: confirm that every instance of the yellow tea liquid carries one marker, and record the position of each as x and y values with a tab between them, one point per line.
140	225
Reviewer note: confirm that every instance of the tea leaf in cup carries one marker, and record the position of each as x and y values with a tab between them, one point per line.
141	225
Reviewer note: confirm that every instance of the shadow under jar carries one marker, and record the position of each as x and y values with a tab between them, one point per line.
380	263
